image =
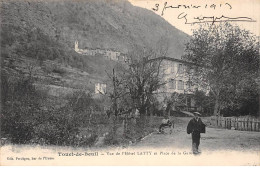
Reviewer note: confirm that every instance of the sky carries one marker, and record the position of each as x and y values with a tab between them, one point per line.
184	13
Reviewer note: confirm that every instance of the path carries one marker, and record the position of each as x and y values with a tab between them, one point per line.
213	139
215	147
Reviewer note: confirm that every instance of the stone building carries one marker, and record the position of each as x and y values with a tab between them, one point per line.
107	53
177	79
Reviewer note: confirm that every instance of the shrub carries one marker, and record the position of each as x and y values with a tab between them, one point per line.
58	70
20	104
62	126
22	120
111	139
59	128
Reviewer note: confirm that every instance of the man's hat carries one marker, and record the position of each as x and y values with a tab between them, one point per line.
197	113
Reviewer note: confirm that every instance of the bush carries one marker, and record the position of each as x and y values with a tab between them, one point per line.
111	139
18	132
61	128
25	121
22	120
20	104
58	70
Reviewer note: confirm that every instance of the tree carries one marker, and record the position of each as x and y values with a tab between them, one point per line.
204	102
117	92
142	76
176	101
227	61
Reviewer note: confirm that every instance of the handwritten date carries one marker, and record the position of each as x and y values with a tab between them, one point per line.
202	19
191	6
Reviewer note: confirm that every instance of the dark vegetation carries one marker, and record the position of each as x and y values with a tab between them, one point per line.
40	32
24	120
33	33
228	59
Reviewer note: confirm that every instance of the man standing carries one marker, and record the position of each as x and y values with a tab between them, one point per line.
195	127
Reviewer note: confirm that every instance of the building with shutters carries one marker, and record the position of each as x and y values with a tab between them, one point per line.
176	77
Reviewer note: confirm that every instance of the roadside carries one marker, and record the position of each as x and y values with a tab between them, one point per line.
214	139
218	146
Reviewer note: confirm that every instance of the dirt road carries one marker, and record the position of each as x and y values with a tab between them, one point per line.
218	147
213	139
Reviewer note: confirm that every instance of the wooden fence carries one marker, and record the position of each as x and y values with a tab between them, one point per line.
236	123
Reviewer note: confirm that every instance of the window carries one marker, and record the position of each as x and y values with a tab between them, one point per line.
172	84
180	85
180	69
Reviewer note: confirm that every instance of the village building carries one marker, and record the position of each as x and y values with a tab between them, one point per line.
107	53
176	76
174	73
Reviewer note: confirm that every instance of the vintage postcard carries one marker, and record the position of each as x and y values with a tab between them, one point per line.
130	82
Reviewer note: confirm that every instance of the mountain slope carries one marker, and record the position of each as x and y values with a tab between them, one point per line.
45	31
95	24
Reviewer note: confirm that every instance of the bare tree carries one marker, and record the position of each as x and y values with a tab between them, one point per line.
142	76
117	91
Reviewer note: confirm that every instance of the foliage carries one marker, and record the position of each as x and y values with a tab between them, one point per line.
205	102
20	105
61	128
111	139
33	43
24	121
117	92
227	61
142	76
133	88
178	99
56	128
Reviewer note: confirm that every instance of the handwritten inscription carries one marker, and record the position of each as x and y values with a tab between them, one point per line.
191	6
213	19
202	19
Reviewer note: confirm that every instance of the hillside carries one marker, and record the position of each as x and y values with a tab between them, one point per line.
95	24
45	32
47	88
115	25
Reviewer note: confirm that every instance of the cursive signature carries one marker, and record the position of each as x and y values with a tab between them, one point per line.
213	19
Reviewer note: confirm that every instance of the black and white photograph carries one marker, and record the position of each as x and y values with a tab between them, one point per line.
130	82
